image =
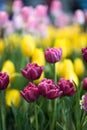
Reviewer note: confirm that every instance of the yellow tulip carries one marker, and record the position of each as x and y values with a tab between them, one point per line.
38	56
73	77
65	44
12	97
9	67
64	67
39	80
79	67
28	45
1	46
83	40
13	40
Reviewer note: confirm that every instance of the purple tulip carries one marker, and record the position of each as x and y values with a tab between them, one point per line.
4	80
53	55
84	83
84	53
30	92
67	87
49	89
32	71
83	102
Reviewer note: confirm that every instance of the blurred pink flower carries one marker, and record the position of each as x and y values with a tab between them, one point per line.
3	18
79	17
41	10
17	6
26	12
18	22
56	7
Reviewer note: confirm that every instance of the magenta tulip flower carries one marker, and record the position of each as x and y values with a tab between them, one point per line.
84	53
84	83
67	87
49	89
30	92
4	80
32	71
53	55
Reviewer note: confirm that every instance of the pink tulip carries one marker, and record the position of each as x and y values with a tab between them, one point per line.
3	18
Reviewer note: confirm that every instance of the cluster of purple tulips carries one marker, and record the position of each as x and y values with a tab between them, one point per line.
47	87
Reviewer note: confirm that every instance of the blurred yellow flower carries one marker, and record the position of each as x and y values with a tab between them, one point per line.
39	80
83	40
1	46
65	44
28	45
9	67
73	77
12	97
79	67
13	41
38	56
64	67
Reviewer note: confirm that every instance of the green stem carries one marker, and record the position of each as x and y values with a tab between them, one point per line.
64	115
54	102
3	111
54	70
36	117
83	119
54	115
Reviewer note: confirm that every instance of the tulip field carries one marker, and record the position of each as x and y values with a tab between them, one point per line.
43	68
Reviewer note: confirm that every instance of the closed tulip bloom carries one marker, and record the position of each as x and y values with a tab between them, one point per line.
49	89
83	102
28	45
84	83
53	55
84	53
12	97
30	92
66	86
9	67
32	71
4	80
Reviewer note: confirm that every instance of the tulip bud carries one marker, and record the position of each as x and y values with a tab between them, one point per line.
67	87
49	89
84	53
32	71
30	92
4	80
12	97
53	55
84	83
